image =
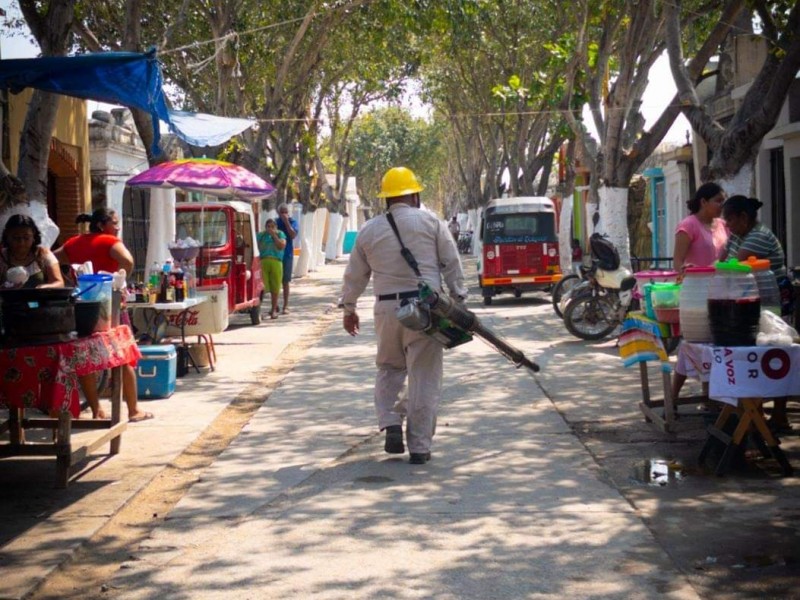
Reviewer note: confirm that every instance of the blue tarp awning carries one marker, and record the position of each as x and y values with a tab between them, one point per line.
127	78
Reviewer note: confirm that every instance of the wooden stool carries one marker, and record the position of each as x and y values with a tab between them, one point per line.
751	419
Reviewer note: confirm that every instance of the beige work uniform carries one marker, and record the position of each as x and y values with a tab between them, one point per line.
401	351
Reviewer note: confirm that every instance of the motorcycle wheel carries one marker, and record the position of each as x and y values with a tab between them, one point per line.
562	287
587	317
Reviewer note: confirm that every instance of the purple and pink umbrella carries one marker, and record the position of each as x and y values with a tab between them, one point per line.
204	175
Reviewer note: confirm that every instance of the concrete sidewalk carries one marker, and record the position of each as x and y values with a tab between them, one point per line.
306	504
43	527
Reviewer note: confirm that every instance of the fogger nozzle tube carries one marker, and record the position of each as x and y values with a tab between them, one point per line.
465	319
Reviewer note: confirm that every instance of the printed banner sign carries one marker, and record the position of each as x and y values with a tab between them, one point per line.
753	372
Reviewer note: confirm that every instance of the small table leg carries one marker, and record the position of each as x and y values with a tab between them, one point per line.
116	407
16	434
63	448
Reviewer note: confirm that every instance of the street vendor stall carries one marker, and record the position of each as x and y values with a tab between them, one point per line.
45	377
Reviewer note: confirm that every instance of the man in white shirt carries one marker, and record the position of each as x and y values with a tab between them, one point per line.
401	351
454	228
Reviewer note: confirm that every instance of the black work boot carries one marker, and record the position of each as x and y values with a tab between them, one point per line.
419	458
394	440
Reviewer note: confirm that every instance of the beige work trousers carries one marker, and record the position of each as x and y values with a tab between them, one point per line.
403	352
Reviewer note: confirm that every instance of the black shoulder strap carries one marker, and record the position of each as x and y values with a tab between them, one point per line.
404	252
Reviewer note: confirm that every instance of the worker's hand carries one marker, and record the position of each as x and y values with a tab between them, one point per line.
350	322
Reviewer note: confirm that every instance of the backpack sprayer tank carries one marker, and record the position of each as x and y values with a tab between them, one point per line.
451	324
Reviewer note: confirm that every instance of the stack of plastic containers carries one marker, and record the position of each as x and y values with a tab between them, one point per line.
767	284
734	306
666	300
694	321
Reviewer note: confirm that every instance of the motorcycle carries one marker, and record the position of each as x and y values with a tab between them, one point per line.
465	242
595	307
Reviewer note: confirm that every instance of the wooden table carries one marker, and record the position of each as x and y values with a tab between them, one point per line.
743	378
45	377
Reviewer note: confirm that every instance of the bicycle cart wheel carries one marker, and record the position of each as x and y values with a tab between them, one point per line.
590	317
562	287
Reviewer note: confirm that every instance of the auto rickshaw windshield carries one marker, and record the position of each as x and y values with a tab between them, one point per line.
208	227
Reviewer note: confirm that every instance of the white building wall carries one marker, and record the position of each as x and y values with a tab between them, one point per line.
676	188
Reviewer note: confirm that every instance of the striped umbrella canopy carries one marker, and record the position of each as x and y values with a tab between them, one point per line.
204	175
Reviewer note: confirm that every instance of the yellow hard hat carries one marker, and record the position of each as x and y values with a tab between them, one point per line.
399	181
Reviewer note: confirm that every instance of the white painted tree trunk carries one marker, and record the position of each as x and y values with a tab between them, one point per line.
739	183
162	226
306	224
614	220
340	237
565	236
332	247
320	218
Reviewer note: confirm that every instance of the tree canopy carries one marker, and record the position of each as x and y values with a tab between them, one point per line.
507	82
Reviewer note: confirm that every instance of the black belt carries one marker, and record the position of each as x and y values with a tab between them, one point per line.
399	295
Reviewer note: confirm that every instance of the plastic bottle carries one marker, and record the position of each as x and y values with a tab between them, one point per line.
767	284
734	306
154	277
694	321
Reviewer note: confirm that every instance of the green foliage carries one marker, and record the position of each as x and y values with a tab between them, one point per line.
390	137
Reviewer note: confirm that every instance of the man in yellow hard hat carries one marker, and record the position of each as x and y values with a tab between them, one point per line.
403	352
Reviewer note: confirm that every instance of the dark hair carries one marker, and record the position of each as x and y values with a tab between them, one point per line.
20	222
270	221
97	219
704	192
737	205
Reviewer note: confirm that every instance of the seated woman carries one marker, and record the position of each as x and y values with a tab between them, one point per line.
103	248
24	262
751	238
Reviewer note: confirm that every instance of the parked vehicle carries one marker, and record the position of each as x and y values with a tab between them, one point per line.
229	253
595	307
519	247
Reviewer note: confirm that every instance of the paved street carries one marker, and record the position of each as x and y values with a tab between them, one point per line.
538	487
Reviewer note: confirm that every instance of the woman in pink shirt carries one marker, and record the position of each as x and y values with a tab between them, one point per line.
700	239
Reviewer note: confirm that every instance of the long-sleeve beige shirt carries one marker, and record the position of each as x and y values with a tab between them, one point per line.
377	253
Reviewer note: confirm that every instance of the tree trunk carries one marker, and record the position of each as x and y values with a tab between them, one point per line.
614	220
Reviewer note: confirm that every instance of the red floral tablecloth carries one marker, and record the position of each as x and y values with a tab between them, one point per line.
46	376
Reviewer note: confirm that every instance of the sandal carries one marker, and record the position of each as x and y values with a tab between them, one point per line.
142	417
273	314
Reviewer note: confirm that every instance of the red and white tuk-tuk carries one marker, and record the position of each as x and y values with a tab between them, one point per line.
229	253
519	246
